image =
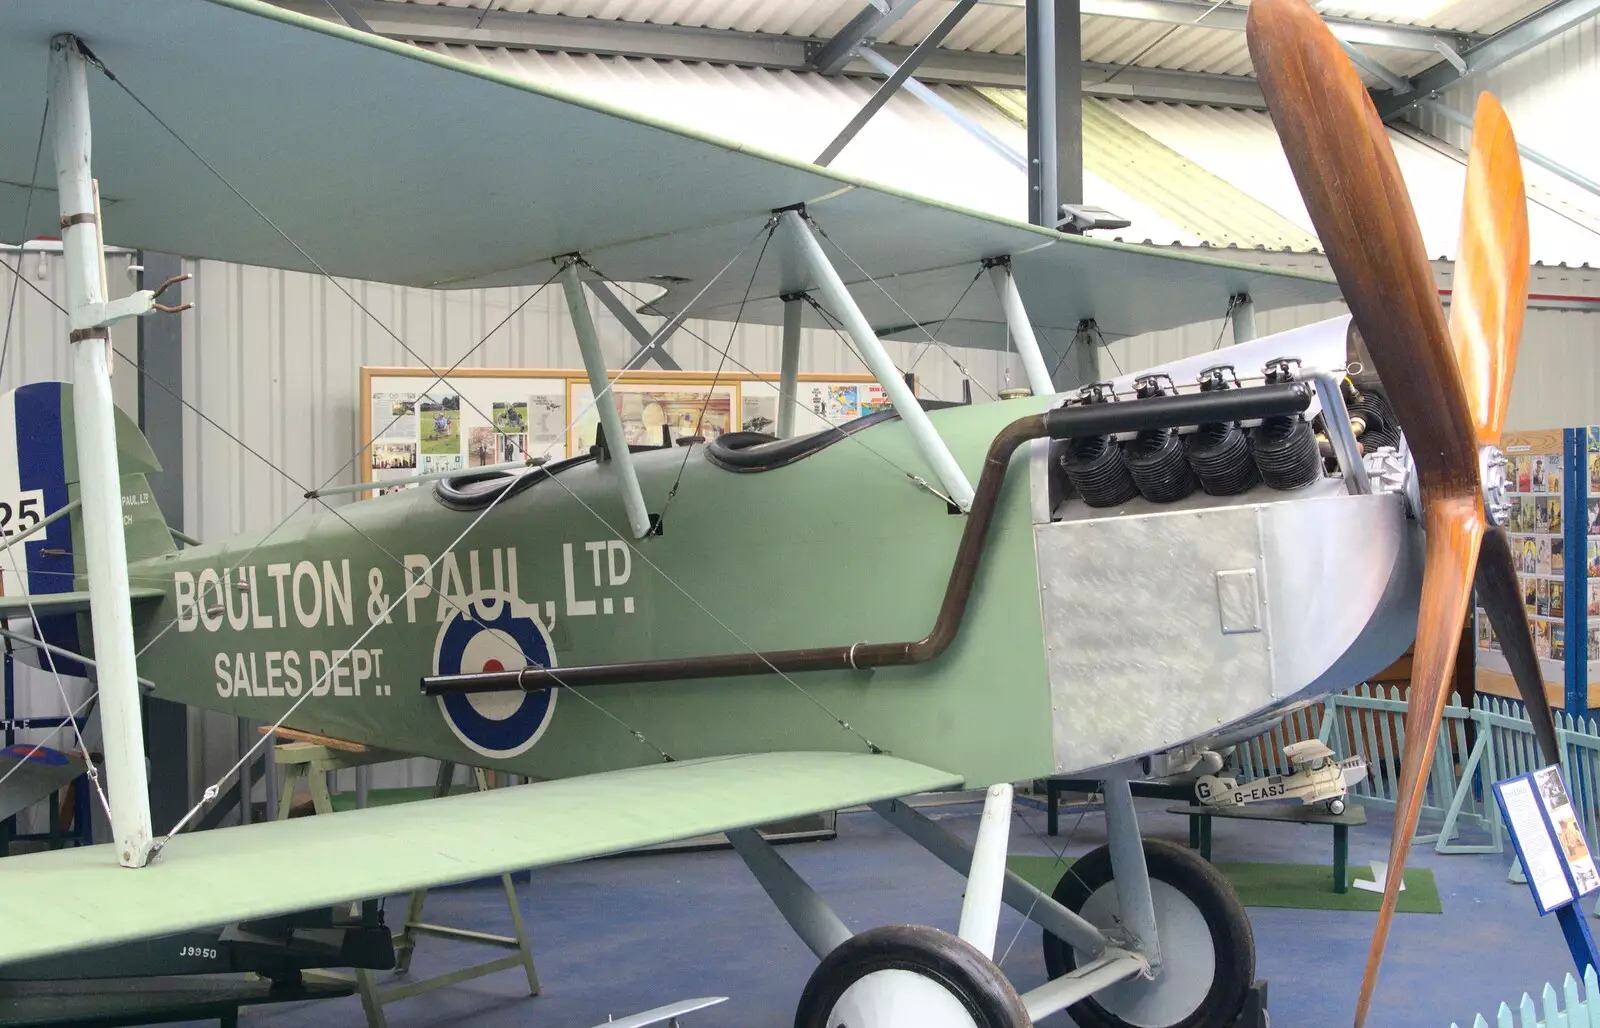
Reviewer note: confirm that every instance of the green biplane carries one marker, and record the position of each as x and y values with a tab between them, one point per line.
574	621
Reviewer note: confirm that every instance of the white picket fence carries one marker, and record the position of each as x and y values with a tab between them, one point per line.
1567	1010
1478	746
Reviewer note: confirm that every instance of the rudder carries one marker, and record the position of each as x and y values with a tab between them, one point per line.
38	477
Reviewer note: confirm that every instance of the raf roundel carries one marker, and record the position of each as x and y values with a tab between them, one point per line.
498	725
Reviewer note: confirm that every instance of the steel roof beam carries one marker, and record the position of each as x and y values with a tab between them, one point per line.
896	78
522	31
1542	25
1232	17
863	30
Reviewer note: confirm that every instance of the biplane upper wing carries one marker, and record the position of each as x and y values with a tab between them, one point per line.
79	899
385	161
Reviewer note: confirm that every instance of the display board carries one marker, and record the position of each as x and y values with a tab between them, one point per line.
1552	852
1554	528
418	424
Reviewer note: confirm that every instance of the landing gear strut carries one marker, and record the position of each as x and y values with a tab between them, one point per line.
1207	949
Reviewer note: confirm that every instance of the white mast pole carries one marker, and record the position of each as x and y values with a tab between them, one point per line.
99	482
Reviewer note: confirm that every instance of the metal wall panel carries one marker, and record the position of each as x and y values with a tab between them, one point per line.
1543	91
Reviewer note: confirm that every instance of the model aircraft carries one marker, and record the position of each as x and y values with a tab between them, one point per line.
1315	779
1108	578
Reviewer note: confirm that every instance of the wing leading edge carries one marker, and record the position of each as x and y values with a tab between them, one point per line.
77	899
557	173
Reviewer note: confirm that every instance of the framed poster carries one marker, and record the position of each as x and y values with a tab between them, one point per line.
1535	483
413	423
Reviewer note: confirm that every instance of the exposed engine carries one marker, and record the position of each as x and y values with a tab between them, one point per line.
1165	463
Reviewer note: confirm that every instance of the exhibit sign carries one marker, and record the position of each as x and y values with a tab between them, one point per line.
1550	846
415	422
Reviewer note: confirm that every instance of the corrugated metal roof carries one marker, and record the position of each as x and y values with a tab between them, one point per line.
908	145
1242	147
1191	176
997	26
1175	187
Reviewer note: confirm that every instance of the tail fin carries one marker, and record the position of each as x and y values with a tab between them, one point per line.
39	477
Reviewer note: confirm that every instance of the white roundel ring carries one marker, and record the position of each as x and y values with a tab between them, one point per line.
503	724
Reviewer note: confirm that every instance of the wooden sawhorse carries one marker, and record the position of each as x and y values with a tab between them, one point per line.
312	761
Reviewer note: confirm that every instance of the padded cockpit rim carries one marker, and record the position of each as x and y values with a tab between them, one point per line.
750	452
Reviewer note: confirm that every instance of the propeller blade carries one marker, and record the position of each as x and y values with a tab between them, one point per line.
1490	293
1350	180
1455	526
1501	596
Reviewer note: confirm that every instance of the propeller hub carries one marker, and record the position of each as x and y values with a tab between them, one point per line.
1496	490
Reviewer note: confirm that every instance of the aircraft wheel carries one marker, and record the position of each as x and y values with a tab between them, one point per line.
1336	807
1207	949
909	976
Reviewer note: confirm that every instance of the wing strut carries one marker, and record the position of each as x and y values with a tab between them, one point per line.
594	362
832	287
91	316
1020	327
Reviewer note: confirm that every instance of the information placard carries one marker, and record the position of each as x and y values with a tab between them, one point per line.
1548	839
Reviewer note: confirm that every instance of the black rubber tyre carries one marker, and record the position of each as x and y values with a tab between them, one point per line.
1233	943
968	975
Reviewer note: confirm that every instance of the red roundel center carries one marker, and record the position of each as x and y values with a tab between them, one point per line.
493	665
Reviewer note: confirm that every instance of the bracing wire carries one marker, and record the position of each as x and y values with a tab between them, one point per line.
853	437
672	494
55	672
211	791
74	715
901	308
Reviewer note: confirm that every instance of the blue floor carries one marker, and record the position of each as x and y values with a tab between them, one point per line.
612	937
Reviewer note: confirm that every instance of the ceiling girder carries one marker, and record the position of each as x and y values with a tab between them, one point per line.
1542	25
1232	17
458	25
863	30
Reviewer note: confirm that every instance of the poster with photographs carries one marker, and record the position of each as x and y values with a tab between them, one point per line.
480	417
394	417
1535	524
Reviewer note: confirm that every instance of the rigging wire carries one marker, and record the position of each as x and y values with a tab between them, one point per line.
55	671
762	377
308	494
921	352
1060	861
899	306
672	494
73	716
211	791
1234	303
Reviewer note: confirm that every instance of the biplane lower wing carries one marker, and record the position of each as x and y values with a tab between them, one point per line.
80	899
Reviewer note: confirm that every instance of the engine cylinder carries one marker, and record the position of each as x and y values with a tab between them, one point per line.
1159	467
1096	468
1220	456
1285	450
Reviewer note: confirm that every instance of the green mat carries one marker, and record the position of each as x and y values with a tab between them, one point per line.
1302	886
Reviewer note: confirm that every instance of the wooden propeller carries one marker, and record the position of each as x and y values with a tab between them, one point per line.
1449	385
